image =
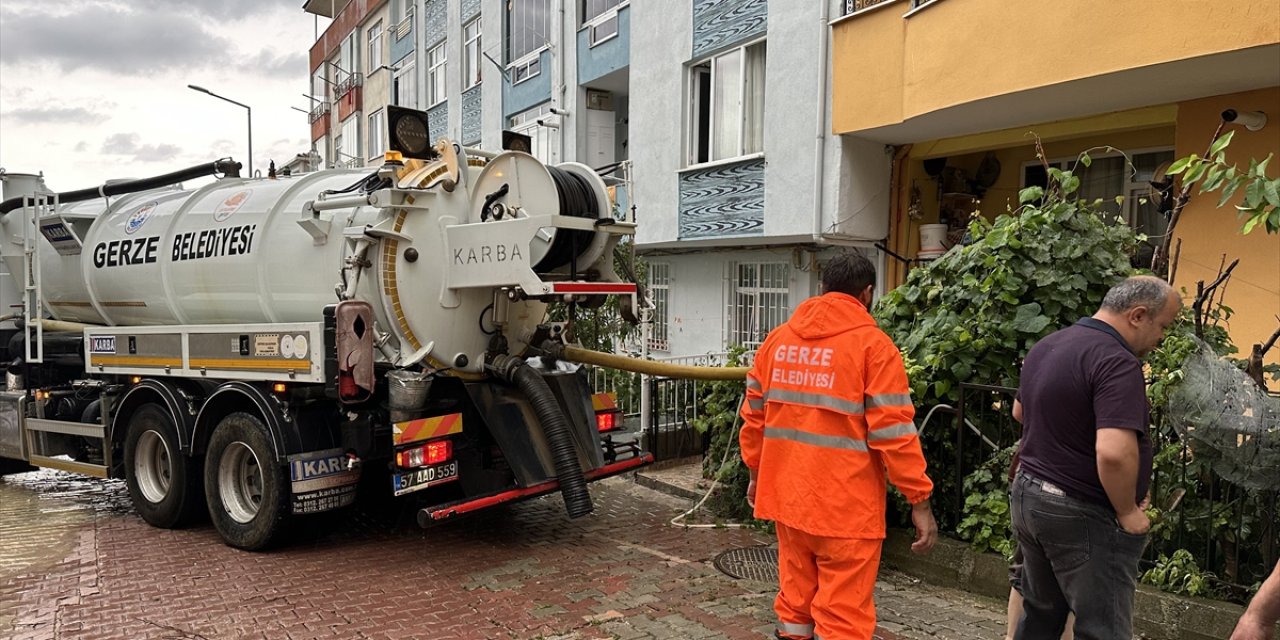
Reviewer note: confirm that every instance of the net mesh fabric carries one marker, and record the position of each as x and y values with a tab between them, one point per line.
1227	420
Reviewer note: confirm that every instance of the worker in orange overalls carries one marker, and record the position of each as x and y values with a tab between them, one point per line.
828	411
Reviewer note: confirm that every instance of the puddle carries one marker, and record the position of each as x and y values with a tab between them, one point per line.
41	513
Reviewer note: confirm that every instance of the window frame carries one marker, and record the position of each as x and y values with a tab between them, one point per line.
1129	211
375	137
511	26
374	36
752	337
437	74
407	70
660	292
472	53
696	102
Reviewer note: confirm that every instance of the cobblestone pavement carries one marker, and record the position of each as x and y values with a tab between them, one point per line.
76	562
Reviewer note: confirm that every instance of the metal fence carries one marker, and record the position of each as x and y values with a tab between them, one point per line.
1233	533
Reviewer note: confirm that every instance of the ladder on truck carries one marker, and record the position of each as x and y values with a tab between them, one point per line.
40	435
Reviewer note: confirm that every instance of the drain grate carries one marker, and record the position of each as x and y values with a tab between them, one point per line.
751	563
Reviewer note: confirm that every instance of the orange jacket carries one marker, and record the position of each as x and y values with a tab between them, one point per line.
828	410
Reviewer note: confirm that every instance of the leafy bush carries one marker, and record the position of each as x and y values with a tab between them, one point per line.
1179	574
986	506
972	315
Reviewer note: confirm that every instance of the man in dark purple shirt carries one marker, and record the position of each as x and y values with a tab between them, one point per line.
1086	464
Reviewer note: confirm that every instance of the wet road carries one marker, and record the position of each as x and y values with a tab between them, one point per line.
77	562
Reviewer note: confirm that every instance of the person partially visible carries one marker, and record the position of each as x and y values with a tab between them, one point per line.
1259	620
1086	465
828	415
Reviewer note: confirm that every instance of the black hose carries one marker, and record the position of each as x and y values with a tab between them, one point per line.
577	199
564	454
225	166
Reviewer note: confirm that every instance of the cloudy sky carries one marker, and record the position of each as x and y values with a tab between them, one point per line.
97	89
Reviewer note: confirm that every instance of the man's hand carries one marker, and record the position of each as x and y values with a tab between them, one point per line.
1135	522
926	528
751	493
1252	629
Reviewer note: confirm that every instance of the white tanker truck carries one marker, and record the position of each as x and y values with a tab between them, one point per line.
249	348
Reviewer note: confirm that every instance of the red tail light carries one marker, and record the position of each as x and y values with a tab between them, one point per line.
606	421
347	388
425	454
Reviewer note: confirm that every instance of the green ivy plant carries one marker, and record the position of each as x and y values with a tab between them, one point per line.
986	506
972	315
1179	574
1261	206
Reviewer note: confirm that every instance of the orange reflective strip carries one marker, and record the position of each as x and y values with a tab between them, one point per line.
426	428
604	401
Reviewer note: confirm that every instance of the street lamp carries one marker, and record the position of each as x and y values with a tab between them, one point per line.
240	104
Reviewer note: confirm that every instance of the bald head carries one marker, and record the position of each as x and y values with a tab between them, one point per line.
1138	291
1141	309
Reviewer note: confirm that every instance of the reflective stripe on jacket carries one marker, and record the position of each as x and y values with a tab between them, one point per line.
828	411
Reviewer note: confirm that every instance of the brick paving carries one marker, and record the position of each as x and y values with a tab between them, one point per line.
75	562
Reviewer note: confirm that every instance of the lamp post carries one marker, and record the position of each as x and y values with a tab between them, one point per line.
239	104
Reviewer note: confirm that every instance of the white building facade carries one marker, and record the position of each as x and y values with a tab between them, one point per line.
555	70
741	190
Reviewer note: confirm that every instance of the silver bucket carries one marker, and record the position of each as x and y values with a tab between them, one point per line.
408	393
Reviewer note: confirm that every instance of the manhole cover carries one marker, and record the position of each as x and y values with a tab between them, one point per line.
752	563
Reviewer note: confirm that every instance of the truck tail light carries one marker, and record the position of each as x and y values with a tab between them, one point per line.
425	454
607	421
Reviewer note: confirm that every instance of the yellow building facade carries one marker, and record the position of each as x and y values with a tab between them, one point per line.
962	90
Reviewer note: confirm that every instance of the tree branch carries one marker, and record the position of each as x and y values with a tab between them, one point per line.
1160	261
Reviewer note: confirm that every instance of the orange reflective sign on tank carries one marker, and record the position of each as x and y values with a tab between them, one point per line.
426	428
604	401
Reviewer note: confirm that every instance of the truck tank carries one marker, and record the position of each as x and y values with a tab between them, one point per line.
278	250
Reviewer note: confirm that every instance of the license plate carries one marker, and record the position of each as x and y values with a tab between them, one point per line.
418	479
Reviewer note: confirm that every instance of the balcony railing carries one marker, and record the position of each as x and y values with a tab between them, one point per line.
350	82
850	6
319	111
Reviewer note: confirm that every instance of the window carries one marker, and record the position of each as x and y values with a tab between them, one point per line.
375	46
435	75
601	17
726	118
1109	176
528	27
526	70
377	135
758	301
348	58
319	84
472	60
404	90
347	143
660	293
543	141
592	9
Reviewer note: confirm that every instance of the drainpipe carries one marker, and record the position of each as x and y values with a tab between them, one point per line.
820	135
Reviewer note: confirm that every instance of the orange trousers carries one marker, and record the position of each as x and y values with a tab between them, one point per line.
827	586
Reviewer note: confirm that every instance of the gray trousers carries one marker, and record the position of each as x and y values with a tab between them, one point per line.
1076	559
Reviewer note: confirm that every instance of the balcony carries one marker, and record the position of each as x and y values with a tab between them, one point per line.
319	111
347	84
324	8
906	70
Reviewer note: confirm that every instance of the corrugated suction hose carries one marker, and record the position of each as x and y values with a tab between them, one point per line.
564	454
639	365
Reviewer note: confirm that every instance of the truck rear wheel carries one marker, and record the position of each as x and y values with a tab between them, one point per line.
247	491
163	483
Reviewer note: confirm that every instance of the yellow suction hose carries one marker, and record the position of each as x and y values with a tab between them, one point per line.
649	367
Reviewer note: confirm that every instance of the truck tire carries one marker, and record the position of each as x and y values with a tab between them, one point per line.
247	492
163	483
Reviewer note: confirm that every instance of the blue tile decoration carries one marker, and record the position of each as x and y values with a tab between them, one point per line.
471	115
469	9
720	23
436	22
723	201
438	121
